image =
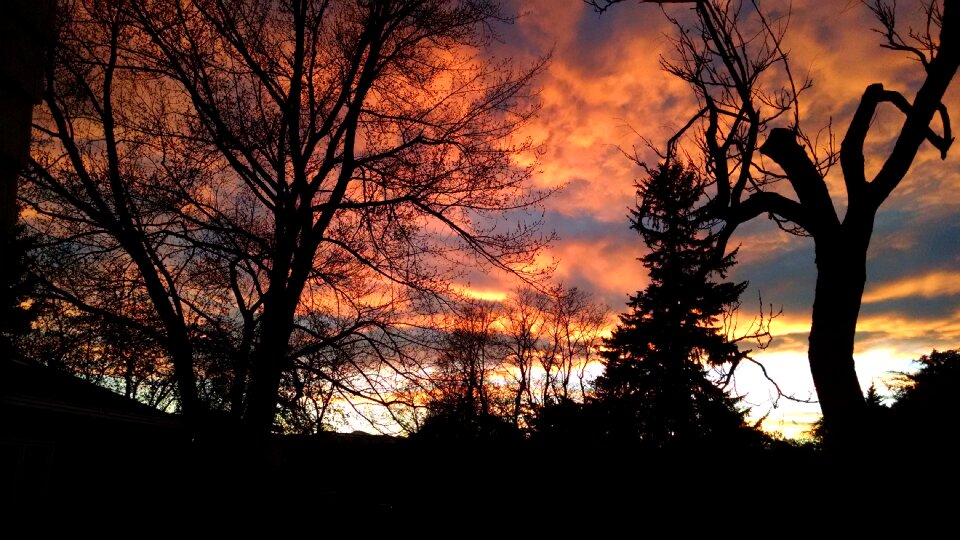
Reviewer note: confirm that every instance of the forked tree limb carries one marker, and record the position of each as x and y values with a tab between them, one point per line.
782	147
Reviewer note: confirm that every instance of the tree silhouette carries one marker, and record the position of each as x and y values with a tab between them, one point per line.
466	401
524	326
17	307
370	147
301	181
923	410
104	203
933	386
745	90
925	405
573	325
655	386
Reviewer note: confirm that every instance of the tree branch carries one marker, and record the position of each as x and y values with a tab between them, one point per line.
782	147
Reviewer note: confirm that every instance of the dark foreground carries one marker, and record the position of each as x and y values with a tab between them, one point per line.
81	460
360	482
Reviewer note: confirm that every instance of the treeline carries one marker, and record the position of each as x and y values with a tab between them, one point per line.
503	359
501	363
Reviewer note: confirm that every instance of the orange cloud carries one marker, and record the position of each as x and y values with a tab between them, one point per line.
488	295
932	332
927	286
607	269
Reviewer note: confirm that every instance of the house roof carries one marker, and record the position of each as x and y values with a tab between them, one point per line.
35	387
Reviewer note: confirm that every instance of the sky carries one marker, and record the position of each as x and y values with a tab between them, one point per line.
604	89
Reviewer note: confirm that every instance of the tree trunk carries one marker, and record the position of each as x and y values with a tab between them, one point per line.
841	276
268	363
181	353
26	29
265	378
521	387
238	389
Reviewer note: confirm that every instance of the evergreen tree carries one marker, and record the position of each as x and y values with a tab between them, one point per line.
16	285
926	406
655	387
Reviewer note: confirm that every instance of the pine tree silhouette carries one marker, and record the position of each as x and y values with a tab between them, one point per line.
655	387
16	286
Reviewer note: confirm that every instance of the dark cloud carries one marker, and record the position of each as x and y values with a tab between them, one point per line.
783	274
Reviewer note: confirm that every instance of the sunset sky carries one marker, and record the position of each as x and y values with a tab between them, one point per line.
604	86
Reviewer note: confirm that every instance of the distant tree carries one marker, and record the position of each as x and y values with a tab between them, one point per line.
923	412
524	325
925	402
466	402
655	387
504	361
878	420
552	338
98	351
573	323
469	354
933	386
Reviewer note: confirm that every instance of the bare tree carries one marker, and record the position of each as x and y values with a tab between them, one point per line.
294	185
747	100
371	144
472	351
575	324
92	186
553	338
508	359
524	324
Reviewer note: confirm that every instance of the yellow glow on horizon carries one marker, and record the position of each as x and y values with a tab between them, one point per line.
799	325
488	295
791	425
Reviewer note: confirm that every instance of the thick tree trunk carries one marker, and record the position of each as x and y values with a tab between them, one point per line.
268	363
841	276
181	353
268	360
